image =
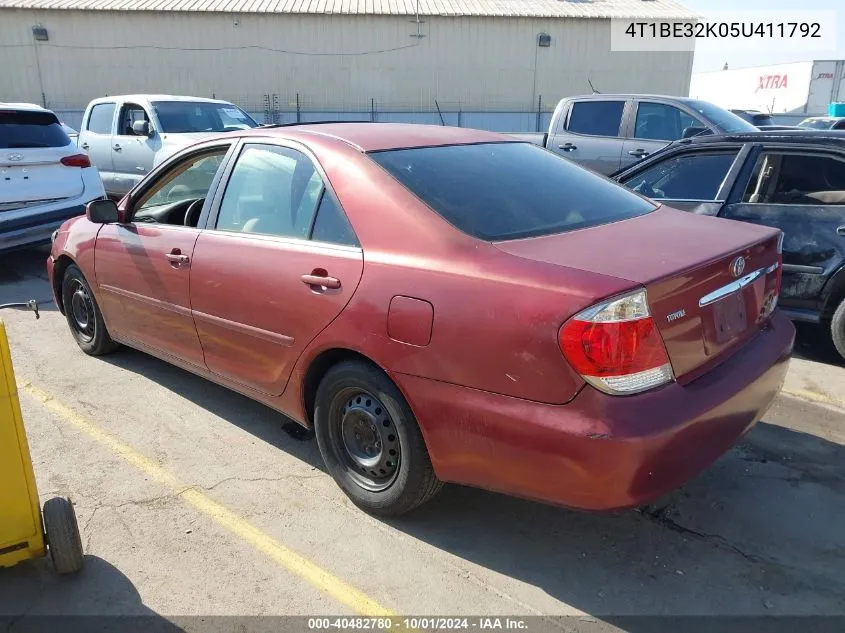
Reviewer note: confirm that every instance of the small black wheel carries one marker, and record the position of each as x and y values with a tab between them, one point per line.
837	329
63	538
83	314
370	441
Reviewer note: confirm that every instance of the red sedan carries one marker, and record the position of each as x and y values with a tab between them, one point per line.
441	304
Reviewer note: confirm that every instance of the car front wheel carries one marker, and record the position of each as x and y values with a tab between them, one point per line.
837	329
83	314
370	441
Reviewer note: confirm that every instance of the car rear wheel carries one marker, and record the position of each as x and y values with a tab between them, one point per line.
370	441
837	329
83	314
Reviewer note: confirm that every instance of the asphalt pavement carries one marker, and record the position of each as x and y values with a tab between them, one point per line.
195	502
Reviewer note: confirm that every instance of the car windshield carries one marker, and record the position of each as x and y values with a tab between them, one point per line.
21	129
503	191
728	121
198	116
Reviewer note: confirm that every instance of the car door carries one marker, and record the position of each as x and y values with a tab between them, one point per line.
143	265
800	190
278	264
655	126
693	179
95	139
590	134
132	154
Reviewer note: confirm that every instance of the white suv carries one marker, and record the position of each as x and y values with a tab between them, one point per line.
44	178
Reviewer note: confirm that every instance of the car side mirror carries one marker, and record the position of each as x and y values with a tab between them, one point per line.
142	128
102	211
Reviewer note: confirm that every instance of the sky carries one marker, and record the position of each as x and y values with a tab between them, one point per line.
708	57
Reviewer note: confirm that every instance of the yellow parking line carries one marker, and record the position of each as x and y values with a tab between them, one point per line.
804	394
278	553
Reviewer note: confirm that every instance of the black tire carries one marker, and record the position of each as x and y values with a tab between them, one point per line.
63	538
83	314
405	482
837	329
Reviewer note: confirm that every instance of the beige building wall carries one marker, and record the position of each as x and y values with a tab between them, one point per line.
332	61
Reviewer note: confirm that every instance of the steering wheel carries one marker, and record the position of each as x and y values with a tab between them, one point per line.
193	212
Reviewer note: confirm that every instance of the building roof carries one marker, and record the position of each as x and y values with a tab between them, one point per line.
642	9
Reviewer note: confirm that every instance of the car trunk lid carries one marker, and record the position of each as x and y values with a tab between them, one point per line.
703	305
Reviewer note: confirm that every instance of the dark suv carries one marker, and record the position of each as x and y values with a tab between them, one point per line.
792	180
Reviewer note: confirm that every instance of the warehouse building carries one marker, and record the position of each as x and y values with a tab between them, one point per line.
384	59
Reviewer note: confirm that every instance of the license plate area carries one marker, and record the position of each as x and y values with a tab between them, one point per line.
724	320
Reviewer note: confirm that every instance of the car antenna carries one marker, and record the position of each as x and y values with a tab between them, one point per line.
595	92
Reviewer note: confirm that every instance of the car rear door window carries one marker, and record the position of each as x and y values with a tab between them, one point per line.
501	191
100	119
331	224
596	118
662	122
272	191
29	129
796	178
685	177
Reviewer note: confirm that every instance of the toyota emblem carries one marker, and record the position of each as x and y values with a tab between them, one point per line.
738	266
15	157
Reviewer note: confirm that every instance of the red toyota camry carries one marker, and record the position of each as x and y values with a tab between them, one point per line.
440	304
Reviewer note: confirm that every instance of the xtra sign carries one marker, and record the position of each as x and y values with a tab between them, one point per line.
772	82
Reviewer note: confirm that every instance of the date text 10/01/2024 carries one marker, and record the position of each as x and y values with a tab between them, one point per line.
416	623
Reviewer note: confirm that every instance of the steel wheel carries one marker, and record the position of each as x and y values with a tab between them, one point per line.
365	439
83	318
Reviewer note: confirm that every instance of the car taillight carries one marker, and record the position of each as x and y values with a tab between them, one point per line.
616	347
77	160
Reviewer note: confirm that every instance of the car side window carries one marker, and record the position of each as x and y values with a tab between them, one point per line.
100	118
331	224
189	180
130	113
794	178
272	191
684	177
596	118
661	122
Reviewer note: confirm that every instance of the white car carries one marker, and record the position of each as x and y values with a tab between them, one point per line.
44	178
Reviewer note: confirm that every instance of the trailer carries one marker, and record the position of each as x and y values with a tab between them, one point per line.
790	92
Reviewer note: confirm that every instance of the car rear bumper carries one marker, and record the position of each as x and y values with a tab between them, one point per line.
35	228
600	452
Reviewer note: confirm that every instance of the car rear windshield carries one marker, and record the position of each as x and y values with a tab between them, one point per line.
198	116
503	191
25	129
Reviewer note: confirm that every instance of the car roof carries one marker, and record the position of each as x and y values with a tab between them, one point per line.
29	107
601	95
374	137
796	135
144	98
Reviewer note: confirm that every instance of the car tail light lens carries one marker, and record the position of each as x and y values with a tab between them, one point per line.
77	160
616	347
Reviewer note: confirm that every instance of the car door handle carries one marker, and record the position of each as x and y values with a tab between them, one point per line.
639	153
85	146
177	258
117	147
841	230
323	281
569	147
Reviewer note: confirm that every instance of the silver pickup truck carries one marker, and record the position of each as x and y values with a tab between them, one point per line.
126	136
609	132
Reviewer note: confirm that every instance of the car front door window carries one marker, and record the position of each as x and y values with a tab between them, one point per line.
129	114
684	177
190	180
